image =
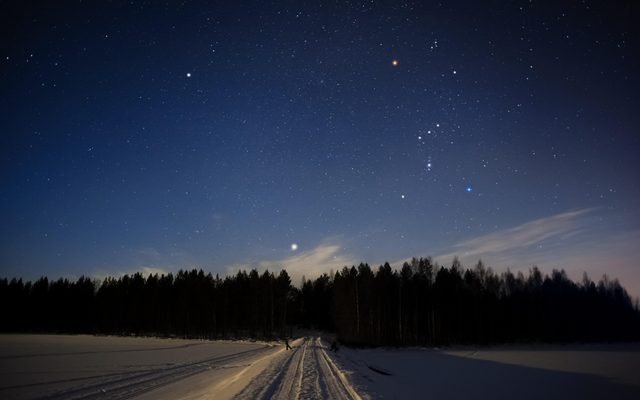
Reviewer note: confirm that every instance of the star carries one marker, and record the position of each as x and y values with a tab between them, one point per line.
402	196
469	189
188	74
395	63
294	246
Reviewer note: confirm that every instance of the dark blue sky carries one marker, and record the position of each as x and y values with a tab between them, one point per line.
158	136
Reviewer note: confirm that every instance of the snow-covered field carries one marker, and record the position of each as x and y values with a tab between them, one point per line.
83	367
601	371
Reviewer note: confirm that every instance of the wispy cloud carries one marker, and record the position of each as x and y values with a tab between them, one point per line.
311	264
528	237
101	274
577	241
147	260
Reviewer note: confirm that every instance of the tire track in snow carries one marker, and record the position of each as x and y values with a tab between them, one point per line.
285	385
310	384
306	373
128	385
291	387
281	379
339	384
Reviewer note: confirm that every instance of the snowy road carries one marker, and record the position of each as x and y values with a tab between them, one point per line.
306	372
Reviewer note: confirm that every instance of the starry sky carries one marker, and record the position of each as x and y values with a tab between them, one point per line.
153	136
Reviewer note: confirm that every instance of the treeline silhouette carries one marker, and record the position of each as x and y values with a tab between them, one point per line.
187	304
419	304
424	304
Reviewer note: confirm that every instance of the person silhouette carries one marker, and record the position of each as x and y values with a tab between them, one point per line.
286	343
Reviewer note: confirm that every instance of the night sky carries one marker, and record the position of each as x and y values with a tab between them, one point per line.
155	136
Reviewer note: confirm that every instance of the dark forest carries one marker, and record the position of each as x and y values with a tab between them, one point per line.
420	304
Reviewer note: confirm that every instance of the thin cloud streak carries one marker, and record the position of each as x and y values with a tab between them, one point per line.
576	241
145	271
148	261
324	258
522	237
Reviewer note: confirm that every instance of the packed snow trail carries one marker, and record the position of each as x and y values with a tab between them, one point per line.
307	372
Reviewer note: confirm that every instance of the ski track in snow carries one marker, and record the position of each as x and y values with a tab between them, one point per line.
307	372
128	385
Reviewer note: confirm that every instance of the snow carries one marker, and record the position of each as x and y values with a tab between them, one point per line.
307	373
81	367
76	367
503	372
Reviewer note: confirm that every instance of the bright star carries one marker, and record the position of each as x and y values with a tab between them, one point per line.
402	196
469	189
188	74
395	63
294	246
